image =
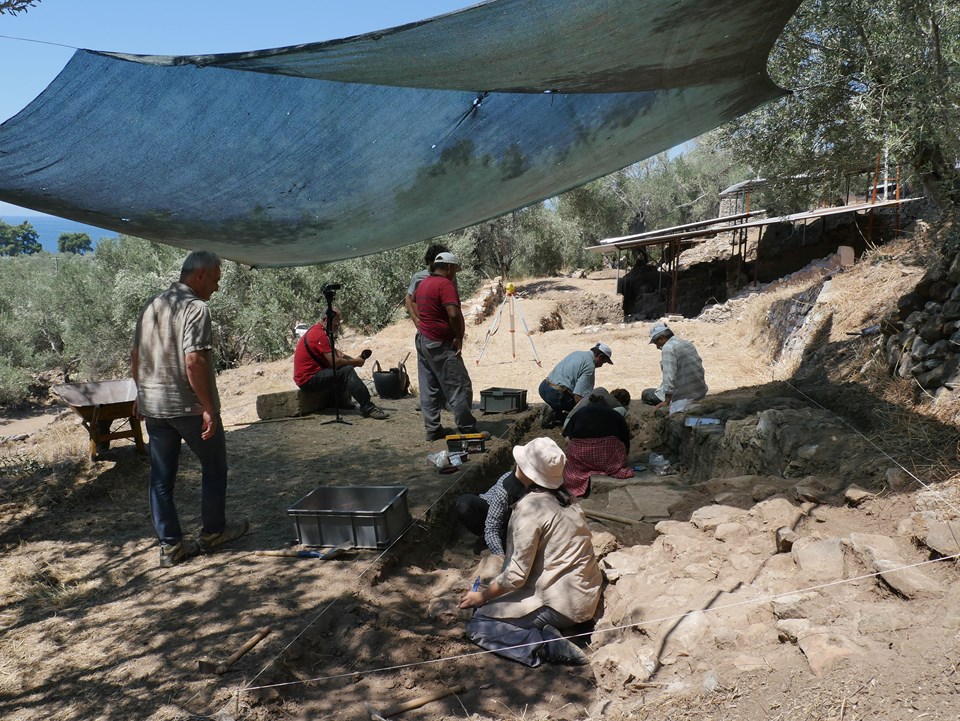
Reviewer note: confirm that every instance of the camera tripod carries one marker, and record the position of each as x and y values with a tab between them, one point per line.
329	291
510	299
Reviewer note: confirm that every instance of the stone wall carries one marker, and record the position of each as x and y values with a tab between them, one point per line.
922	338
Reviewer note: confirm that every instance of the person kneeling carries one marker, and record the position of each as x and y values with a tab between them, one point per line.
486	515
598	440
313	368
550	579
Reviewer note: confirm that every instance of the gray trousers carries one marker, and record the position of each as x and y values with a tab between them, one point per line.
519	639
443	376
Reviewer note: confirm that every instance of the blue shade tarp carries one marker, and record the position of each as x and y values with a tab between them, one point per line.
332	150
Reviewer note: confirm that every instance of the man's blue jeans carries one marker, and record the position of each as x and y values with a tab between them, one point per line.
562	402
165	437
519	639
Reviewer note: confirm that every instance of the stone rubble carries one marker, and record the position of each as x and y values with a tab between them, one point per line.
703	584
757	573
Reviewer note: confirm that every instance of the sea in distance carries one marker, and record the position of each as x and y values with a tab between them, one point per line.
49	228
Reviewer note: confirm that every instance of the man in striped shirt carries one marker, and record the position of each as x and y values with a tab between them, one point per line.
683	381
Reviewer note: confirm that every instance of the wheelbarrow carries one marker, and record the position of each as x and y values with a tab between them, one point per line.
100	403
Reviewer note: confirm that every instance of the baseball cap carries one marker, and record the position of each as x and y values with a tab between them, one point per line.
448	258
604	350
658	330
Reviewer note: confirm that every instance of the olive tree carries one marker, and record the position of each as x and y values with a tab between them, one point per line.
867	78
78	243
12	7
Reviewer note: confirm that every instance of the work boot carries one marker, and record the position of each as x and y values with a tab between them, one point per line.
437	435
231	531
559	649
377	413
172	554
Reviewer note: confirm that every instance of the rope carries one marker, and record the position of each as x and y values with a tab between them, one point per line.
370	566
39	42
674	617
639	624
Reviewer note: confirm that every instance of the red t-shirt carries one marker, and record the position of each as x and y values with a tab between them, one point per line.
432	297
304	366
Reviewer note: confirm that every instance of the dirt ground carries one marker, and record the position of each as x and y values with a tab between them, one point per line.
92	628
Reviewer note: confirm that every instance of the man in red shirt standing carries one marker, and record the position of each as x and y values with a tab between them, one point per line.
443	376
313	368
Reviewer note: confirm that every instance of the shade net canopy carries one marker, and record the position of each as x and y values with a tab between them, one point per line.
332	150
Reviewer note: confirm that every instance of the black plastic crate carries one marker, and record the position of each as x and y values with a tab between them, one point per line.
367	516
501	400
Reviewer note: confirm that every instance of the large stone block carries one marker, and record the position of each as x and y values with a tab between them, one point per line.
846	254
287	404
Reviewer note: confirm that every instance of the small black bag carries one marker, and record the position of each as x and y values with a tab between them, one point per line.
391	384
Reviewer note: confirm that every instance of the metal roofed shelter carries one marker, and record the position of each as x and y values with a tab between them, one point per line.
738	224
325	151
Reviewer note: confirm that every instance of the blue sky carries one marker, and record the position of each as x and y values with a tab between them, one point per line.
177	27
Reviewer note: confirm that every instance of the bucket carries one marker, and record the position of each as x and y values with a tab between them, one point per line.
391	384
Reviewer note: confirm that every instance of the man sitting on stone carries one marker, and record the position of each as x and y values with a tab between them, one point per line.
683	381
570	381
598	440
313	368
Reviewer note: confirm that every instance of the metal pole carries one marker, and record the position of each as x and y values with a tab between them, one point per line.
886	170
674	272
511	294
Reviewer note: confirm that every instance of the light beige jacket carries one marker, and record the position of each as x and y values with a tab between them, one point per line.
549	562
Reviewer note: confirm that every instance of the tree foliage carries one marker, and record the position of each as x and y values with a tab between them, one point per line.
19	239
686	187
12	7
868	77
78	243
659	192
603	208
75	312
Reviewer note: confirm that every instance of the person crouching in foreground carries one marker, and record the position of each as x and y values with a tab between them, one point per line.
550	578
487	515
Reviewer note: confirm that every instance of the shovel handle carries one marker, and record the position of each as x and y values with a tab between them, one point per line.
260	635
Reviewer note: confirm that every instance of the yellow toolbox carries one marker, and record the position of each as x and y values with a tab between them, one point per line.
467	442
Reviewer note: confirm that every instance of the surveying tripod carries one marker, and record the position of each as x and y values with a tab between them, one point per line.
509	299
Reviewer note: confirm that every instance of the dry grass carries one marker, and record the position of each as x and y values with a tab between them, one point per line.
42	586
846	372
